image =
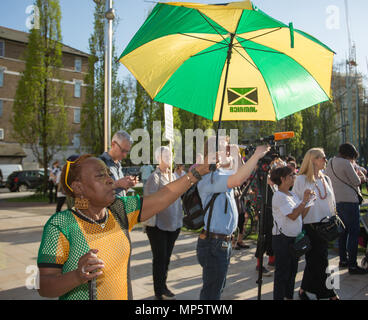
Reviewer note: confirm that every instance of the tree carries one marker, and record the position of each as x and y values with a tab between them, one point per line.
328	131
39	117
294	146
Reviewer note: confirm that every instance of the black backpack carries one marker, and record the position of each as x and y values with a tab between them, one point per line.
193	209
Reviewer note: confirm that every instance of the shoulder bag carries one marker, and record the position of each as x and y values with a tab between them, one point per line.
301	244
330	228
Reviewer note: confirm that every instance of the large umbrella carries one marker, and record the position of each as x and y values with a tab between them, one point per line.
228	62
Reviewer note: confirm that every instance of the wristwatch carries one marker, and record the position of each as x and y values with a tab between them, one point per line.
196	174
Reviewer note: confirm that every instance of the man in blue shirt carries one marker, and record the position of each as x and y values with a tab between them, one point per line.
214	246
121	143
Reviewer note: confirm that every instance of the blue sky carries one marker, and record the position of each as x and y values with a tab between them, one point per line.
324	19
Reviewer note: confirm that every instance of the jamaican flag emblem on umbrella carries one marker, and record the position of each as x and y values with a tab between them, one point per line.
242	99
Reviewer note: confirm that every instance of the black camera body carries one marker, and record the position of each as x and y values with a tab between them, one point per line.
275	151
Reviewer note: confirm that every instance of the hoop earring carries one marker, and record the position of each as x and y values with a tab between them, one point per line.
81	203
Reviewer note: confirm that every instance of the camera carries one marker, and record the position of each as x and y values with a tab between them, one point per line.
275	152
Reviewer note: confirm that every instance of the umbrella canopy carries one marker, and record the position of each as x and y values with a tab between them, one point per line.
228	62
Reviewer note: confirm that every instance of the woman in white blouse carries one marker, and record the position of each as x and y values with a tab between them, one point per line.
311	176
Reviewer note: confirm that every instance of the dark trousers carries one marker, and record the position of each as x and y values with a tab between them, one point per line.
52	191
214	257
59	203
286	267
315	275
162	245
348	241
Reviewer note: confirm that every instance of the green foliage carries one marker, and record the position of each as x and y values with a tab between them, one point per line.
39	117
320	129
294	146
188	120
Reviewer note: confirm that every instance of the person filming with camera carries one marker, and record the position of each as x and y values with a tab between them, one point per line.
214	243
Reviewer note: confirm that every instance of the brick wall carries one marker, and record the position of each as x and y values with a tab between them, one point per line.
13	62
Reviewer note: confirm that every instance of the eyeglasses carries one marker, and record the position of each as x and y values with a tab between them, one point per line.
323	158
292	175
121	149
69	161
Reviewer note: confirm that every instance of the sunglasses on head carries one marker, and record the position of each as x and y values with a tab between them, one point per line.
72	159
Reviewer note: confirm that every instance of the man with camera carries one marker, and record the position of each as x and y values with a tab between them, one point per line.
214	243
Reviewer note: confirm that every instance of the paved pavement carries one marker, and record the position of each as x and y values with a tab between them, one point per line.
20	235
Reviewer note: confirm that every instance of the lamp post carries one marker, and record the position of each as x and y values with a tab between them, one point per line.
110	16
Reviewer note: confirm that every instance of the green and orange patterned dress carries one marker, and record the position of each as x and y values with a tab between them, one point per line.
67	236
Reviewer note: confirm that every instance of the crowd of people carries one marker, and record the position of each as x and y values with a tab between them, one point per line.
85	250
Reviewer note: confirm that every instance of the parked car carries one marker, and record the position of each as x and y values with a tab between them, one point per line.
7	169
24	180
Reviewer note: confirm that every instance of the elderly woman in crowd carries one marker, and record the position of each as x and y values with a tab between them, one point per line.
163	231
311	176
85	252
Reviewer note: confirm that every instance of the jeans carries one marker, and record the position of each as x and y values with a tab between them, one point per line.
286	267
162	244
348	241
214	257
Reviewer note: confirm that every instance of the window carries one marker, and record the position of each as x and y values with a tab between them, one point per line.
1	76
1	134
1	107
78	64
77	113
76	140
77	88
2	48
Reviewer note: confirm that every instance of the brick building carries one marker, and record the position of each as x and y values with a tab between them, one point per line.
75	67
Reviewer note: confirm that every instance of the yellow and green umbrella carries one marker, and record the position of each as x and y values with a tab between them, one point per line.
228	62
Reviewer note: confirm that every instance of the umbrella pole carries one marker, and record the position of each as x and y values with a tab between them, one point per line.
228	58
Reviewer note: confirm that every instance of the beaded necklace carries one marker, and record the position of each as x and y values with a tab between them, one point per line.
319	191
102	225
